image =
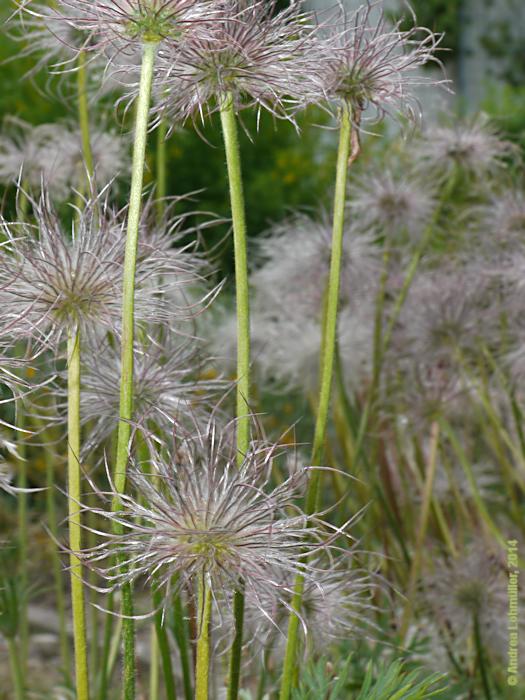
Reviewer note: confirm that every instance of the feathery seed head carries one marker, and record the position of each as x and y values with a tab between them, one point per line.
166	386
365	63
251	51
198	514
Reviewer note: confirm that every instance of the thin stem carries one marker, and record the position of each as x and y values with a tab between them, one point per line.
75	531
329	343
83	113
128	299
181	637
202	671
161	169
16	669
163	646
233	161
57	567
22	516
154	676
482	667
421	528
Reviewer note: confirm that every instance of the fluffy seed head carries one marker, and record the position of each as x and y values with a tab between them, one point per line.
199	515
390	203
473	146
51	282
167	389
252	52
366	63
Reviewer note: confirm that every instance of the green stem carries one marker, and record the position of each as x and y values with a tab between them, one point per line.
22	534
154	676
161	169
202	671
57	567
163	647
83	113
233	161
75	532
181	637
16	669
126	379
482	667
330	334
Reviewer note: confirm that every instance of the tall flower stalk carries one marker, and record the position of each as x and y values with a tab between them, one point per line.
128	301
75	532
233	161
326	379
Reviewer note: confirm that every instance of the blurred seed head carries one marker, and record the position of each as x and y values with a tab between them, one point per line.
391	204
473	147
473	586
50	155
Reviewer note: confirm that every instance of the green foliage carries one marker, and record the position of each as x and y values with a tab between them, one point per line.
394	683
390	682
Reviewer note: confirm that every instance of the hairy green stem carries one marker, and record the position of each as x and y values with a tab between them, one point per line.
83	113
154	676
128	305
233	162
16	669
325	389
75	531
202	671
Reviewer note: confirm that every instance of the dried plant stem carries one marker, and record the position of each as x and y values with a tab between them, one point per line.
233	161
327	367
83	113
16	669
75	531
202	671
128	304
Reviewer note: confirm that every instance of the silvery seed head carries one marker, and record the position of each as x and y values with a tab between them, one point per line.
52	282
365	63
257	55
197	514
473	147
168	386
6	477
126	25
391	204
